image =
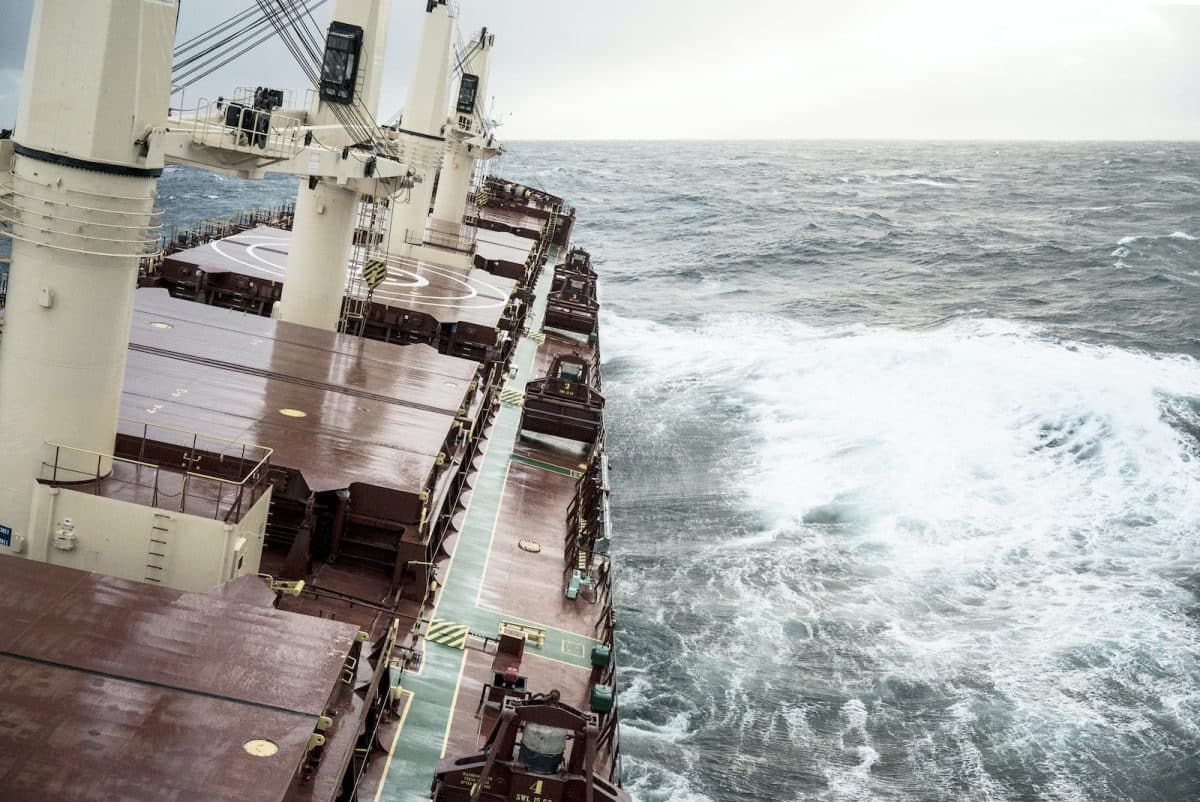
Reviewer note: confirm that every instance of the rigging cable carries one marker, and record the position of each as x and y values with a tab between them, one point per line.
183	60
200	65
214	31
356	110
369	129
305	53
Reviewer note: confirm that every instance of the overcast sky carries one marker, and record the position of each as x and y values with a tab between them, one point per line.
784	68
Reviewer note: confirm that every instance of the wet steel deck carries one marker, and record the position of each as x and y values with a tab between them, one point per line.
123	690
415	376
338	409
449	294
340	439
503	245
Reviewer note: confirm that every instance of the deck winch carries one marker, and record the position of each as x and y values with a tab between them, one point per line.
566	403
542	748
539	749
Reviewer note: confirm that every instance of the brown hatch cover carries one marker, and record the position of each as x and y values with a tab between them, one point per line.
171	687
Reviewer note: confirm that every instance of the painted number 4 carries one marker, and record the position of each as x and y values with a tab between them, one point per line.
535	793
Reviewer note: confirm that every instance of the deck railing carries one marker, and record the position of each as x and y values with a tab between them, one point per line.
460	239
229	125
184	489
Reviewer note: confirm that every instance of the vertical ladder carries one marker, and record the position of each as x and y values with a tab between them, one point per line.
6	214
547	237
156	553
477	194
370	232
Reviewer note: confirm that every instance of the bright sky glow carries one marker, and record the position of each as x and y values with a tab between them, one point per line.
790	68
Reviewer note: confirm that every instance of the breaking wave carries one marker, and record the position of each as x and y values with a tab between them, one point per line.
905	476
950	563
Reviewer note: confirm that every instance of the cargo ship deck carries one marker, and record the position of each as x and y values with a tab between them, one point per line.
423	521
519	492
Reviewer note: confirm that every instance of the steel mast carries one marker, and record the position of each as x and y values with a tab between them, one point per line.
96	82
470	139
423	125
323	226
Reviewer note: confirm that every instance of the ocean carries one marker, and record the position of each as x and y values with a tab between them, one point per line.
905	442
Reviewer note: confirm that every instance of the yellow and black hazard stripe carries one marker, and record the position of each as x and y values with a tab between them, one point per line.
447	633
513	396
374	272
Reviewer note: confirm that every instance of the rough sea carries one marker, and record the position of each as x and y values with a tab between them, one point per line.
906	461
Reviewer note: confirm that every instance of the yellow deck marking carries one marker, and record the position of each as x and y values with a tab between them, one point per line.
387	765
487	556
447	633
462	667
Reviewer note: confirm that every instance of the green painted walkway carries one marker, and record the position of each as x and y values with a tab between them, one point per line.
426	724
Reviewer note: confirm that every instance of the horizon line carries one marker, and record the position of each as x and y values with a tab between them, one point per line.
999	140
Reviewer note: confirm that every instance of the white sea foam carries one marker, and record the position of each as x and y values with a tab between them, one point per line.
972	507
675	729
651	782
1179	235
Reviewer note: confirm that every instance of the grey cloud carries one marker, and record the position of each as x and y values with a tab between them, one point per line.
709	68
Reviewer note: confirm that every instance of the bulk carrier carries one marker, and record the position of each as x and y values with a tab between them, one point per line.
311	504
